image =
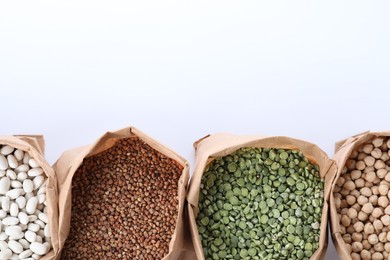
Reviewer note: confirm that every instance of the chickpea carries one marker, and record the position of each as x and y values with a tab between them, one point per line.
373	200
368	148
379	164
350	164
349	185
369	160
366	244
377	142
347	238
378	225
362	216
387	210
387	247
385	220
359	226
352	213
365	254
382	237
373	239
383	189
360	165
359	183
367	208
370	176
365	191
377	256
378	247
369	229
377	212
355	256
358	237
383	201
363	200
381	173
356	174
340	181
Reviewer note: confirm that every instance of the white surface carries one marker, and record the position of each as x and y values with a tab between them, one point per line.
178	71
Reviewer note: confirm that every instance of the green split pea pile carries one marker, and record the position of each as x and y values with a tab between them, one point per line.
260	204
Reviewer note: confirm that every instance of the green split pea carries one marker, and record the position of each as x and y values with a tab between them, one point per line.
260	204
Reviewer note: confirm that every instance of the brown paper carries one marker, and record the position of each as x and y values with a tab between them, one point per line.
211	147
69	162
34	145
344	149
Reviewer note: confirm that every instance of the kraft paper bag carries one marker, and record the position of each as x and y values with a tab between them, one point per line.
343	150
211	147
69	162
35	146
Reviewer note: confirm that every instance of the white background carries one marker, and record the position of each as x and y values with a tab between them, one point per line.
180	70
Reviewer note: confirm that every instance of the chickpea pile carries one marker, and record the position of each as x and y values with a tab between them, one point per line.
362	200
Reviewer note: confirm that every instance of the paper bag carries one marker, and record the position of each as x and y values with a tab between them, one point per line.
35	146
219	145
343	151
70	161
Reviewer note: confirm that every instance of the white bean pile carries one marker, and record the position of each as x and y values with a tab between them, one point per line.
24	229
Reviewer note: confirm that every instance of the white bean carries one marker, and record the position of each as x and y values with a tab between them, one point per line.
33	227
30	236
6	150
3	214
35	172
40	223
3	236
14	193
26	158
28	196
25	244
16	237
2	173
31	205
14	209
33	163
38	181
12	162
22	168
15	246
23	218
3	162
32	218
46	231
42	189
11	174
16	184
21	176
5	254
41	198
25	254
5	203
21	201
19	154
13	230
28	186
43	217
5	183
10	221
3	245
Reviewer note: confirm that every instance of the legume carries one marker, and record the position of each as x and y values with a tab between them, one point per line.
124	204
260	203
